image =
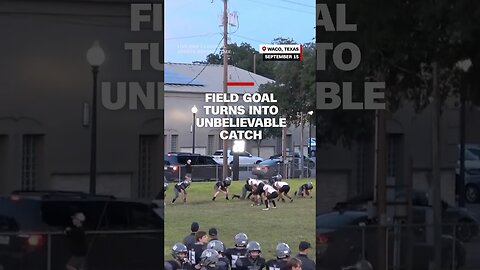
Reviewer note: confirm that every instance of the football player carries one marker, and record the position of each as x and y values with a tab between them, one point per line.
283	189
240	249
282	252
304	190
208	260
180	262
181	188
246	188
257	191
223	262
252	261
270	194
222	186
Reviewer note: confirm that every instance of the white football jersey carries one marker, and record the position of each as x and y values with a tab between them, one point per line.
269	189
280	184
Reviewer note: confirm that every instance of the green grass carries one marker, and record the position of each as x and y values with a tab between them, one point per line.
289	222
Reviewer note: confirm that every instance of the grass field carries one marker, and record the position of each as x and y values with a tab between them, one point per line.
289	222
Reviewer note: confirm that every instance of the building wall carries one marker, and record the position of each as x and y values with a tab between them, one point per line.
179	119
412	132
46	82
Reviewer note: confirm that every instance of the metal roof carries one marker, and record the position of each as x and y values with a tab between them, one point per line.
204	78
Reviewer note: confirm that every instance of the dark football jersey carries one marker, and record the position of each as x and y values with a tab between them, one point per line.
233	254
276	264
247	263
175	265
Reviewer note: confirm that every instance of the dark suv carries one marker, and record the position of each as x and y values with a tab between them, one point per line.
32	225
204	168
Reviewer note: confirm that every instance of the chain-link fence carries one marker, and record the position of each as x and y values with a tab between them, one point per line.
215	172
408	247
107	250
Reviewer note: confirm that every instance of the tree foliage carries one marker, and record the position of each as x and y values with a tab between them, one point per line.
399	40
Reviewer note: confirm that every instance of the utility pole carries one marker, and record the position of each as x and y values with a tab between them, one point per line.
301	145
284	152
461	184
225	78
436	183
381	188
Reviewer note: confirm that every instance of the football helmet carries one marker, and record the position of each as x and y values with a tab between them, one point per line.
282	251
209	257
216	245
241	240
177	249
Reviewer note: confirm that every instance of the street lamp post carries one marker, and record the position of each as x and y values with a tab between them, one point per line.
194	112
95	57
464	66
238	147
310	113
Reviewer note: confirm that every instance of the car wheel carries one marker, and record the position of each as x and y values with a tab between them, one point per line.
258	161
465	231
471	193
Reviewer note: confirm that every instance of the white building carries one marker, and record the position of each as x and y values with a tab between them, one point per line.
185	87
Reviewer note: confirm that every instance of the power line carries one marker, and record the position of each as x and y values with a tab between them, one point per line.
206	63
296	3
192	36
282	7
251	39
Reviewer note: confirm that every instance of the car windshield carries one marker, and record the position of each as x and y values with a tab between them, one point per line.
475	152
269	162
337	219
218	153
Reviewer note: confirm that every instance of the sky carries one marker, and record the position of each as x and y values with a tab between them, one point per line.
192	27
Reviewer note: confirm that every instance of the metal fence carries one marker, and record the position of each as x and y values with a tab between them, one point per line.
215	172
408	247
107	250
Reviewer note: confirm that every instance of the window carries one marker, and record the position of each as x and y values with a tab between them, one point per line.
174	143
30	161
117	218
145	166
220	143
289	143
58	213
142	217
211	146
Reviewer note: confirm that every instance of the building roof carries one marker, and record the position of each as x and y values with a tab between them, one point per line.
204	78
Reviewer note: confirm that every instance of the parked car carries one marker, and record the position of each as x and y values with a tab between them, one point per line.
312	145
472	188
267	168
310	162
339	243
472	159
204	168
467	225
245	158
29	215
271	167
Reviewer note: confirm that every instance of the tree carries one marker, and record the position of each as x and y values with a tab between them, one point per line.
242	57
399	50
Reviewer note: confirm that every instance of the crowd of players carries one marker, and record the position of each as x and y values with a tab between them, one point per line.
200	250
258	191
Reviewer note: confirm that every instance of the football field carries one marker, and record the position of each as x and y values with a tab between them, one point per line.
290	222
